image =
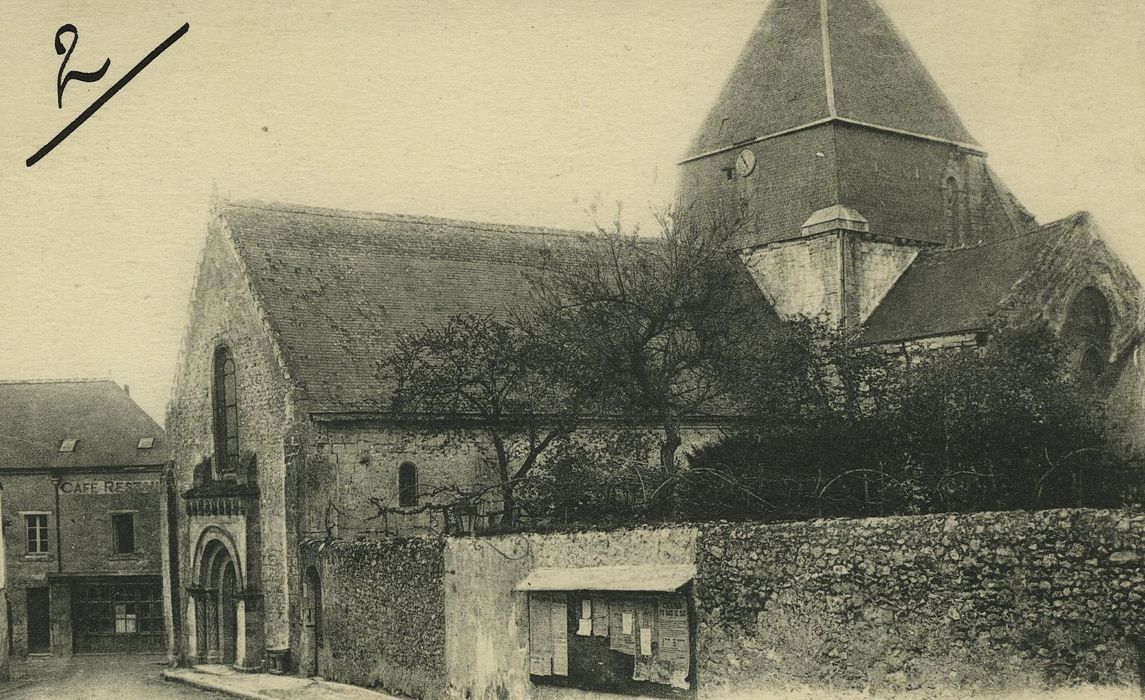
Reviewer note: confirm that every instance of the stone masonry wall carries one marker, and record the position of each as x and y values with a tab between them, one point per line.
879	265
352	461
383	613
937	606
359	460
223	311
800	277
794	176
835	275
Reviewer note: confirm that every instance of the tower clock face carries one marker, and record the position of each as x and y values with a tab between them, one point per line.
745	162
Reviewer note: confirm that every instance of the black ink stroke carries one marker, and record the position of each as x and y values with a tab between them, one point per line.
102	99
83	76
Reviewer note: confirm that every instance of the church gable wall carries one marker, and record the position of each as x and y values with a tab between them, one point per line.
223	311
1079	261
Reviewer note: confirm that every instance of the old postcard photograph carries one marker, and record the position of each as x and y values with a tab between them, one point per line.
495	350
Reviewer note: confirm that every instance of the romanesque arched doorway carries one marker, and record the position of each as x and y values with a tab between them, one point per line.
216	606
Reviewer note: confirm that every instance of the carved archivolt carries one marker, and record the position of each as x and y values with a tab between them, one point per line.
214	549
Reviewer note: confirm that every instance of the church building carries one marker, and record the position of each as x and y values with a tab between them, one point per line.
872	204
869	203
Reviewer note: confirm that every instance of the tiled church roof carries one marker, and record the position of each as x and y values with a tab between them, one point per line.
810	60
36	416
948	291
340	286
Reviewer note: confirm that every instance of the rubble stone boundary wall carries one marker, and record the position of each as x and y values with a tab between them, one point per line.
927	605
383	604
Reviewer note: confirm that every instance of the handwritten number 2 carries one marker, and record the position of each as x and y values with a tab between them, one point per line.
85	76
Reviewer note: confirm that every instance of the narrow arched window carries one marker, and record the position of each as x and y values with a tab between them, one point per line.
1087	333
952	211
226	412
407	484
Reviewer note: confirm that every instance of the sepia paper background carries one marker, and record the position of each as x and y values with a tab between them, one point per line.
517	112
503	111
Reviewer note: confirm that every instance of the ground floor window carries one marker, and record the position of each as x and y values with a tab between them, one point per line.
638	644
117	616
125	618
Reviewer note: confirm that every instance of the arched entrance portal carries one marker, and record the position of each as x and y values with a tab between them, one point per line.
216	609
312	602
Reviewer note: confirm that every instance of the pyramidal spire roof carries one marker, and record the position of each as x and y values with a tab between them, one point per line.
812	61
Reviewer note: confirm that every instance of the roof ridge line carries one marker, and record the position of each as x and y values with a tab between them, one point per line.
913	55
411	218
828	72
1072	218
828	120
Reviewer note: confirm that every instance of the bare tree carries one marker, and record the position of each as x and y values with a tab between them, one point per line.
477	374
663	323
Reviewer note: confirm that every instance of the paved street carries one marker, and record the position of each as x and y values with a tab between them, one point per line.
95	678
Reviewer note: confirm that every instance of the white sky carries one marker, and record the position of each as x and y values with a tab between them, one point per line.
493	110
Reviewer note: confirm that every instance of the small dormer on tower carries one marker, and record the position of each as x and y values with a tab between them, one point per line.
836	269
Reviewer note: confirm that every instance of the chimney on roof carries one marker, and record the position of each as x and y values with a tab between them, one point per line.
127	389
837	269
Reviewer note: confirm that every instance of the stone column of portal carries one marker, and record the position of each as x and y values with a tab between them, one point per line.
192	629
251	643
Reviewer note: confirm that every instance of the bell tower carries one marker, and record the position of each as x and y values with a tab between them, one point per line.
829	110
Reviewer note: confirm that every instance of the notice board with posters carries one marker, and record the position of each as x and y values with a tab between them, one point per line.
630	643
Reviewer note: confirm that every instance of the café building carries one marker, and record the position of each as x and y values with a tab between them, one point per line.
81	466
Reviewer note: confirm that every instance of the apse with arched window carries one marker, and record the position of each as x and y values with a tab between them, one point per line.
407	484
1086	333
226	412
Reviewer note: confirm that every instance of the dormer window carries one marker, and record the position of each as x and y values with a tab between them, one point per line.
226	412
68	445
146	443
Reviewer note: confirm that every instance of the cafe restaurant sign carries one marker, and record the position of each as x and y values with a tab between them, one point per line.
99	487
